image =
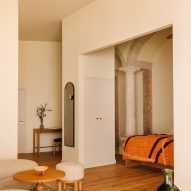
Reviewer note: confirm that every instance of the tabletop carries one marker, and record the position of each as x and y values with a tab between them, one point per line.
31	176
47	130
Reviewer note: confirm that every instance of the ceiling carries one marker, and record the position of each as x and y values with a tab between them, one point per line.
40	20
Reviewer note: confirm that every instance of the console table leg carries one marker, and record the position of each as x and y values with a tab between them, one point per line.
38	142
33	142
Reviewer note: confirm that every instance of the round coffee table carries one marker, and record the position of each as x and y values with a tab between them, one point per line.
30	176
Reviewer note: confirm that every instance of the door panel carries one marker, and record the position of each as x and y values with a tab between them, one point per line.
21	120
98	115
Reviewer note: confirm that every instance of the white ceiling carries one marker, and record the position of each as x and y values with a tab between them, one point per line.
40	20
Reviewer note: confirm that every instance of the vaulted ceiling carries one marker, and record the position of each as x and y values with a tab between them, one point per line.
40	20
144	48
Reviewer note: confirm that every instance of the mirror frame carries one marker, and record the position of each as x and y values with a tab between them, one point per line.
65	111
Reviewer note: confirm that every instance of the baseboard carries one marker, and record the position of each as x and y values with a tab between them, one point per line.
101	163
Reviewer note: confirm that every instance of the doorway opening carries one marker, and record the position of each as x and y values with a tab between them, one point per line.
143	87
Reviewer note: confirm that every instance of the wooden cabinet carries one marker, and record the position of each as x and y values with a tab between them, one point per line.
99	146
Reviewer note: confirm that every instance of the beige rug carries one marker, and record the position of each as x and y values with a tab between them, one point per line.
52	186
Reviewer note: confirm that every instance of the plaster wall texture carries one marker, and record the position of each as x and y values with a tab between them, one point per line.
9	78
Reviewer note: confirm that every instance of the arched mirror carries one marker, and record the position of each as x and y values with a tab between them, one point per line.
69	115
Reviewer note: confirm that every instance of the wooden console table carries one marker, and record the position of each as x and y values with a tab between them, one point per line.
37	132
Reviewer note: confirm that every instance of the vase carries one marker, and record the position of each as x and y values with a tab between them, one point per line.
168	184
41	124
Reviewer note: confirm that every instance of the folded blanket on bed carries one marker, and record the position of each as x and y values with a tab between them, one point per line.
150	148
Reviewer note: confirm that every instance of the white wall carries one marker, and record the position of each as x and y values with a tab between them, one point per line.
8	78
70	73
162	90
118	21
182	92
113	24
40	75
149	19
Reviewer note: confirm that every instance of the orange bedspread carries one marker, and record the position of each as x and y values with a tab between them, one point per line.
150	148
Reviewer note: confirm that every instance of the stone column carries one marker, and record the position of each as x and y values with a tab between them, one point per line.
130	98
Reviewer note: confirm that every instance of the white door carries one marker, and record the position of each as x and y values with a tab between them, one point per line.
21	120
99	146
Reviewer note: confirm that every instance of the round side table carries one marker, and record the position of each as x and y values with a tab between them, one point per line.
30	176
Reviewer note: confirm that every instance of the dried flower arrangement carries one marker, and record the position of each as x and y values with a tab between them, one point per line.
40	112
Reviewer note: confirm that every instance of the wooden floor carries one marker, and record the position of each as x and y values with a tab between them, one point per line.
117	177
121	178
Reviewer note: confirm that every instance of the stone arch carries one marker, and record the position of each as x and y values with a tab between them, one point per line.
135	48
120	56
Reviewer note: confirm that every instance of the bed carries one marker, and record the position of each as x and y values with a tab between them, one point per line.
150	148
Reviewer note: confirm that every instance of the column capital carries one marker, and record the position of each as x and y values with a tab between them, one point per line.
130	69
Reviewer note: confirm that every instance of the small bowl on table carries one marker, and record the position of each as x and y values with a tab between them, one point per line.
41	170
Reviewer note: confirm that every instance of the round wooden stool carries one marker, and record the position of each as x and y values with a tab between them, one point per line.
74	173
